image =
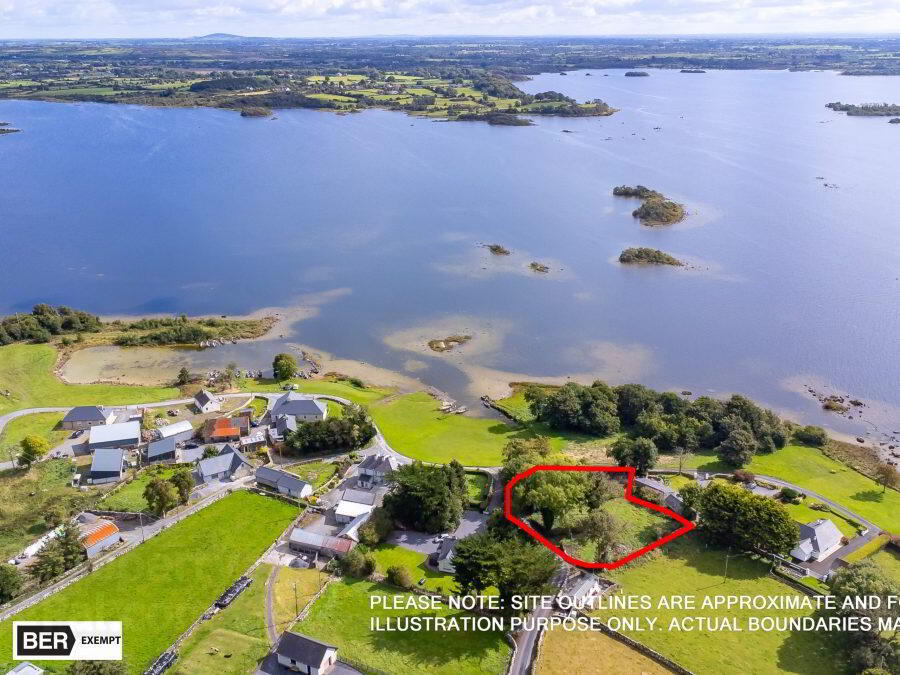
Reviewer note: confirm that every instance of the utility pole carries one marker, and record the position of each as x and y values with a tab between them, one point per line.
296	603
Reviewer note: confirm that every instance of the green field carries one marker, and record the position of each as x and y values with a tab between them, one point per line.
476	486
26	495
130	497
342	615
158	589
639	527
26	371
591	653
314	473
889	561
259	405
294	588
39	424
341	388
687	567
809	468
234	640
387	555
802	513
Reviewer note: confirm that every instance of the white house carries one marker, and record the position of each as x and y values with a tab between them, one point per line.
305	655
444	556
818	540
300	407
206	402
376	469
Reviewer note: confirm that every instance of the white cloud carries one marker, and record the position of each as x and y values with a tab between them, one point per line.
301	18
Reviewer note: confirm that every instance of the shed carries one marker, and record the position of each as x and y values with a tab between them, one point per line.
86	416
284	482
180	431
311	542
98	536
26	668
120	435
162	450
107	466
303	654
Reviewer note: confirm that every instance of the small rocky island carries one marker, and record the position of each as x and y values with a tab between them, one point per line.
647	256
656	209
866	109
497	249
539	267
692	70
448	343
6	129
637	73
256	111
895	120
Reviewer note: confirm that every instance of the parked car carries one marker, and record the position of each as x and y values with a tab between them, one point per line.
76	434
191	446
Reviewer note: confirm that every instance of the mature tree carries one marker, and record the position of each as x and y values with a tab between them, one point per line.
421	498
49	562
733	516
284	366
399	576
632	400
690	495
358	564
377	528
738	448
98	668
349	432
184	376
183	481
872	648
33	448
69	540
551	493
603	528
640	453
887	476
682	453
475	561
811	435
10	582
525	568
210	451
600	489
161	496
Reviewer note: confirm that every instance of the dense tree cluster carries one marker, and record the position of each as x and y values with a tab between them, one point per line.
649	256
10	582
377	528
60	554
733	516
352	430
736	429
44	322
427	498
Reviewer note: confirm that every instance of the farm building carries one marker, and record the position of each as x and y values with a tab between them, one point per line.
375	469
228	464
304	541
121	435
180	431
353	504
190	455
107	466
85	417
98	535
286	483
162	450
221	430
206	402
303	654
302	408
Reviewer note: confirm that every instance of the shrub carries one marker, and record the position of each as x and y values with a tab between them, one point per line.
744	476
399	576
357	564
811	435
788	494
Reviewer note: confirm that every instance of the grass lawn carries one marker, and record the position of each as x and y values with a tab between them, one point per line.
314	473
335	410
130	497
639	526
387	555
158	589
810	468
39	424
26	495
889	561
686	567
342	388
342	617
287	603
234	640
802	513
27	372
591	653
259	406
476	485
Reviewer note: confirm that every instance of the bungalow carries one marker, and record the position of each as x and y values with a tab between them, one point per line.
305	655
286	483
225	466
121	435
97	536
206	402
580	593
376	469
106	466
86	416
443	559
818	540
353	503
304	541
221	430
180	431
162	450
303	408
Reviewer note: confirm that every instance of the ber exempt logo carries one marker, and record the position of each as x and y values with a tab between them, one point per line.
68	640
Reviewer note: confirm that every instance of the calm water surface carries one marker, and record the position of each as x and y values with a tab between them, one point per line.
121	209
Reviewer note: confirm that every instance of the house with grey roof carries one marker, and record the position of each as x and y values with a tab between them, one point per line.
283	425
190	455
303	654
353	503
304	541
818	540
107	466
162	450
443	559
282	481
206	402
301	407
376	469
86	416
579	593
227	465
120	435
180	431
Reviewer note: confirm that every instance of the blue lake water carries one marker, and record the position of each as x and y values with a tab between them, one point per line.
121	209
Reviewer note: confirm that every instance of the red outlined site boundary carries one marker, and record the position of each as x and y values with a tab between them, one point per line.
686	527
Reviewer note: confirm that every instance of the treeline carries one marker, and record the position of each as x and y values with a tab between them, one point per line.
866	109
428	498
736	429
352	430
46	321
228	84
175	330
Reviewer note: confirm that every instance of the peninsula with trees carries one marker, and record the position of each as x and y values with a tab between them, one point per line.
656	209
866	109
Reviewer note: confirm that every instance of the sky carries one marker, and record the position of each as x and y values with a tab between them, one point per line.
335	18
